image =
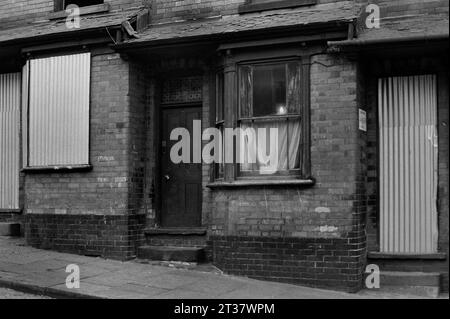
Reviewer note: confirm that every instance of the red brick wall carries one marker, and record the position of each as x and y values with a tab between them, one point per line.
113	188
324	210
172	10
11	10
251	227
395	8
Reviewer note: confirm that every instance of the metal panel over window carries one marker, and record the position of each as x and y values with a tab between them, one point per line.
58	112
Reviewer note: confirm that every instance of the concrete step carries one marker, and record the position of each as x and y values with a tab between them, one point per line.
177	237
9	229
172	253
413	283
399	278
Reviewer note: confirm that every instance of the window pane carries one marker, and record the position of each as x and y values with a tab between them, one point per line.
220	167
293	88
245	91
269	90
59	110
287	146
220	97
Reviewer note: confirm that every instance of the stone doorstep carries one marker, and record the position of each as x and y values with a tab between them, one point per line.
198	231
399	278
172	253
414	283
176	237
10	229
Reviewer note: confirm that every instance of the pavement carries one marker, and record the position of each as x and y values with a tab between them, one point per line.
13	294
43	272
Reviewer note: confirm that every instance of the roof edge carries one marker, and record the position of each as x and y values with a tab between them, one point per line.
235	36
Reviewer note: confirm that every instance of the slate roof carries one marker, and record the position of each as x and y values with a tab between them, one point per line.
401	28
234	24
29	29
408	26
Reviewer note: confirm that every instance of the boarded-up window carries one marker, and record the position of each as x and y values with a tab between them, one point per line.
58	111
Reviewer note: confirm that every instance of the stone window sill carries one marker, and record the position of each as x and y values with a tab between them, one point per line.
98	8
276	4
432	256
249	183
11	211
57	169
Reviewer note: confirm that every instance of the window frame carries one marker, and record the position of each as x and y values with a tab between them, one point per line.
293	173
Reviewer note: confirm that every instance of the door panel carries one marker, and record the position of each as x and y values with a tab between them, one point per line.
408	164
181	184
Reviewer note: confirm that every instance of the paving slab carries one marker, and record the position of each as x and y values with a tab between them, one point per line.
43	272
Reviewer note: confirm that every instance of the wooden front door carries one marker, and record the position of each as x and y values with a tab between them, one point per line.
181	184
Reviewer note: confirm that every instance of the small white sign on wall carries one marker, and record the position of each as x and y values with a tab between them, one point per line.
362	120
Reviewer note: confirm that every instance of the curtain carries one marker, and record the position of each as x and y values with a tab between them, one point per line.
287	146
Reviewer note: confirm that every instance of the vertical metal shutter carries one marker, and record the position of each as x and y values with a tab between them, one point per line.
10	87
408	164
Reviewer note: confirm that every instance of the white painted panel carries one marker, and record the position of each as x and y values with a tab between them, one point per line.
408	164
10	87
58	110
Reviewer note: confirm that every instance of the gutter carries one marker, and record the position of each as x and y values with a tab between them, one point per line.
59	35
368	42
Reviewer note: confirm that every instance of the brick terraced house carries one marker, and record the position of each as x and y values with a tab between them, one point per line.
86	114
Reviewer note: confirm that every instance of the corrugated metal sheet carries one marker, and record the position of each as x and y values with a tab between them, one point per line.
9	140
408	164
59	110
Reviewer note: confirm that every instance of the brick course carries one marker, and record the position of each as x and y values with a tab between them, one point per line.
319	262
114	236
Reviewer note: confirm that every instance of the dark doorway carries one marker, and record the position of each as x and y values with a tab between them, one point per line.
181	184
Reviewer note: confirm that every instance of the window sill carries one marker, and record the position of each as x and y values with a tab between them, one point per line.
57	169
265	182
432	256
98	8
276	4
11	211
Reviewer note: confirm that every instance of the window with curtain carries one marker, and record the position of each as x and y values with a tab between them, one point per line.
269	98
58	111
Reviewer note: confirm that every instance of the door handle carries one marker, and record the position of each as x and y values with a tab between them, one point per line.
166	177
